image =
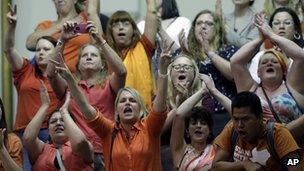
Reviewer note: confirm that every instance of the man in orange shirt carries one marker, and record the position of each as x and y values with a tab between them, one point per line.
251	150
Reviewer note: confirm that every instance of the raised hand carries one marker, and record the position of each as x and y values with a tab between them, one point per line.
261	23
44	95
208	81
97	37
67	31
61	68
182	38
165	57
218	9
11	16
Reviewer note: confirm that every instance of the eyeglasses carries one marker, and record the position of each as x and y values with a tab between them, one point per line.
184	67
121	23
277	23
207	23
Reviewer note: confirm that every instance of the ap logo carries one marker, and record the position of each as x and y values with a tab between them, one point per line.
292	162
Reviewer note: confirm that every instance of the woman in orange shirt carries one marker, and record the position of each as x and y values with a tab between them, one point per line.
68	148
10	146
66	11
133	141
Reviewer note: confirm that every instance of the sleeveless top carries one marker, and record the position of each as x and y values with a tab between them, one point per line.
191	160
284	105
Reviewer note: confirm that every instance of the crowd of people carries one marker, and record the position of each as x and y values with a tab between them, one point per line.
223	92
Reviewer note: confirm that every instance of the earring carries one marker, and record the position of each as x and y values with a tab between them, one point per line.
297	36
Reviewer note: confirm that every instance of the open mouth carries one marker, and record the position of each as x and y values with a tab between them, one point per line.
181	77
127	110
270	70
121	34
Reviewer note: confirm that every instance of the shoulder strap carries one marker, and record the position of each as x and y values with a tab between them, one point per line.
270	143
233	140
59	160
274	113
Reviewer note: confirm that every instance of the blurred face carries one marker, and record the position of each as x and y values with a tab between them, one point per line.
269	67
204	27
56	129
128	108
198	130
43	49
283	25
64	6
90	59
246	124
241	2
122	32
182	72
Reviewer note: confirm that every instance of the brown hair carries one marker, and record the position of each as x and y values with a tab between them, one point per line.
121	16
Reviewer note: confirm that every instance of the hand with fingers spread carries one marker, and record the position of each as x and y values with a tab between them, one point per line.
165	57
44	95
182	38
12	16
97	37
61	68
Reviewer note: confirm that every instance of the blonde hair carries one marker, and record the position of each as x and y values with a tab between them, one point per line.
143	110
195	86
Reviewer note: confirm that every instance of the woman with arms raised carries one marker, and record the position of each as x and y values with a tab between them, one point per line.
68	148
133	141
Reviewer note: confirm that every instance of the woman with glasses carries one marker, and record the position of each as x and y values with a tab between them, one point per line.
284	22
135	49
206	44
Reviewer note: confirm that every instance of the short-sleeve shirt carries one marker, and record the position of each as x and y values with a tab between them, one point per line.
70	160
138	153
28	88
71	47
14	149
283	144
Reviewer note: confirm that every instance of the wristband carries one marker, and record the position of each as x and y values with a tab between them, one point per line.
59	43
162	75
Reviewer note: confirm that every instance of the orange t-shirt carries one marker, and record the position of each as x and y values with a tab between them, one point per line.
28	89
138	153
72	46
14	148
283	144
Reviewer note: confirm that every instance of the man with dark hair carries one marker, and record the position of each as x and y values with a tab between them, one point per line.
248	143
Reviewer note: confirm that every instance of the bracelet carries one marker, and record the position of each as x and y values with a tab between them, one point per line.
103	43
59	43
162	75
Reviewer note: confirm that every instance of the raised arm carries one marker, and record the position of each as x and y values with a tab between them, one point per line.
177	142
9	164
291	49
238	62
151	24
12	56
164	36
80	145
118	77
88	111
160	101
30	136
93	14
